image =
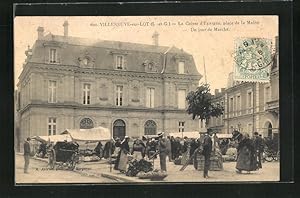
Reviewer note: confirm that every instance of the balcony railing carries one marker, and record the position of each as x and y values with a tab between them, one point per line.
272	105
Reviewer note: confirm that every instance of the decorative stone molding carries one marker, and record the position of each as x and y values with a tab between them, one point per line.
150	66
85	60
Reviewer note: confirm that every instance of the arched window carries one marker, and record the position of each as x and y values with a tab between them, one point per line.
86	123
119	129
150	127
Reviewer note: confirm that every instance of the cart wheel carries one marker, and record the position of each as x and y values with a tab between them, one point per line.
268	157
52	159
73	161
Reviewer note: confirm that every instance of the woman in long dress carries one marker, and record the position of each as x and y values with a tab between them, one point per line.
123	155
138	149
118	151
246	155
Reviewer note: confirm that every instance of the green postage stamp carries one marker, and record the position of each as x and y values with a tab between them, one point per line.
253	58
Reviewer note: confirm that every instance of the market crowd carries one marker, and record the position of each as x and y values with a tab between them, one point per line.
181	151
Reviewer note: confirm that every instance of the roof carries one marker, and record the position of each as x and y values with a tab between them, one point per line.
112	44
137	57
90	135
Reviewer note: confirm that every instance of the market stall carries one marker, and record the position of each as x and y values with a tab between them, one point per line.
41	143
90	141
189	134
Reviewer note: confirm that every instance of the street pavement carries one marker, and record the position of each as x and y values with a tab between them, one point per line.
102	172
269	172
38	173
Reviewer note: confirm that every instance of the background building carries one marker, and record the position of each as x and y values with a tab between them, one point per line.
133	89
250	107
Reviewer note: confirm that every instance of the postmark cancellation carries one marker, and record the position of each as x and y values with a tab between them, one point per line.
253	58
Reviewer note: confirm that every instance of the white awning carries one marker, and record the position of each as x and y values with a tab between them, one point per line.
195	134
53	138
89	135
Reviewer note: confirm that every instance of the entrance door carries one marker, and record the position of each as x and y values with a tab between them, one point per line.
270	130
119	129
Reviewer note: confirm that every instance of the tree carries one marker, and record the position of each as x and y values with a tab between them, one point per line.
200	104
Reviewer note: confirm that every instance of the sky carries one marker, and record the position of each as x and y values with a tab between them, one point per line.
210	39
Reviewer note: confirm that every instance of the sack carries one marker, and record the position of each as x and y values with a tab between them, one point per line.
200	150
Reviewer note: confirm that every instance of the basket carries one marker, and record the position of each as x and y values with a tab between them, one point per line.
153	176
216	163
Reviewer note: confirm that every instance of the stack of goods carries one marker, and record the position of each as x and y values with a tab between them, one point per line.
137	166
88	155
230	154
178	160
216	162
92	158
153	175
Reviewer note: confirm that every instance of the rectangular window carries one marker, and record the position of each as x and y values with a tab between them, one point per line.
150	98
51	126
181	67
267	94
181	99
181	127
231	105
53	56
119	95
249	99
86	94
119	62
52	91
234	106
238	104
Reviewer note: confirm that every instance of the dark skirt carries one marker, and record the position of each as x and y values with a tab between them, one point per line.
246	160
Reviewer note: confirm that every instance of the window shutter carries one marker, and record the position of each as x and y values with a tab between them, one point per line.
47	55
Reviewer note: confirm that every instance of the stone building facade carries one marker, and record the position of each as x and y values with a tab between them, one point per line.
250	107
132	89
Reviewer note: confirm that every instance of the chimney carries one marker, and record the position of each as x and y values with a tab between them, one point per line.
40	31
155	38
222	90
216	92
66	24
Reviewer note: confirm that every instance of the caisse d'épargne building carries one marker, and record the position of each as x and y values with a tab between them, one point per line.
132	89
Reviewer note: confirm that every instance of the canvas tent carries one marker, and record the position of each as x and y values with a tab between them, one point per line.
53	138
89	135
195	134
191	134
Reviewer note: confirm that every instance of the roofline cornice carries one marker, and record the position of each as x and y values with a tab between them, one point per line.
75	69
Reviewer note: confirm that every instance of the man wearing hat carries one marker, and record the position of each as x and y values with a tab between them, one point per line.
26	154
162	147
207	148
259	148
